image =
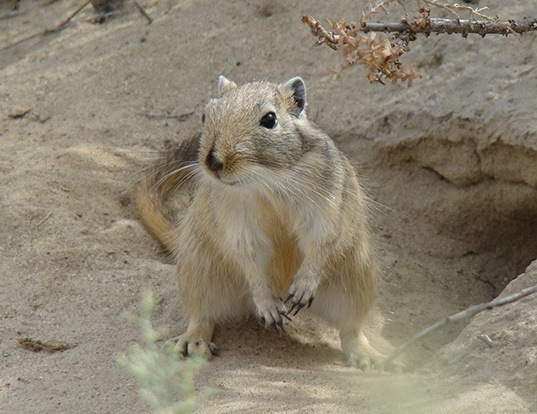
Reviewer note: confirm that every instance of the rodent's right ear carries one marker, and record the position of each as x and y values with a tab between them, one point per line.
225	85
296	89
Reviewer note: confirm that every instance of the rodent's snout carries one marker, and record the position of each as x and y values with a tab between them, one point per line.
213	163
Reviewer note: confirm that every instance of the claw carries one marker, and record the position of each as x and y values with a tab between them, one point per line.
293	308
298	307
213	348
281	325
181	346
263	321
299	301
288	298
310	301
285	315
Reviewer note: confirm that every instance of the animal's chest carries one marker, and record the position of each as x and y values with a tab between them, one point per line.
247	223
255	229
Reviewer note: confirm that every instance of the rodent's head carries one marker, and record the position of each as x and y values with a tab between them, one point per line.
251	130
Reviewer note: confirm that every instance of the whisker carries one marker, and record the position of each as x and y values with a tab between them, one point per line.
190	175
170	174
156	168
378	203
372	202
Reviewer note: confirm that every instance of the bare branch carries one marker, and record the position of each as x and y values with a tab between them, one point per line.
46	32
180	117
435	25
449	26
63	24
143	12
465	314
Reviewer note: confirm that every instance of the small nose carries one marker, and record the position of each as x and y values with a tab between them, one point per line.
213	162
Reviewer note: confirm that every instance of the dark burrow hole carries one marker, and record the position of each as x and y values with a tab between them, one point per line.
483	233
498	222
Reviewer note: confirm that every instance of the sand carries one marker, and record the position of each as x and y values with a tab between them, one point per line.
450	165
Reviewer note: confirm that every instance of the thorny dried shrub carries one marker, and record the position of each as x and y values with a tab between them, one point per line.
380	54
454	8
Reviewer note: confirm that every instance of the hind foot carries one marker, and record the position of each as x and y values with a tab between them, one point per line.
196	340
374	363
360	354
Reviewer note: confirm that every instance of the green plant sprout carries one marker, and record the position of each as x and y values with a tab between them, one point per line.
166	379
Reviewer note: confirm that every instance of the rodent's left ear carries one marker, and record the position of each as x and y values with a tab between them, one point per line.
225	85
295	88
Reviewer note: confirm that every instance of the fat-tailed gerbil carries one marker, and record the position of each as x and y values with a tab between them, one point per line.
277	222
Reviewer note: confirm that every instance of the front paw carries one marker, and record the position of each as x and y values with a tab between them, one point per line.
301	293
271	313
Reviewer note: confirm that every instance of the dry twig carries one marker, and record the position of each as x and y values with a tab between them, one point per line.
143	12
453	8
35	345
180	117
465	314
44	219
450	26
62	25
46	32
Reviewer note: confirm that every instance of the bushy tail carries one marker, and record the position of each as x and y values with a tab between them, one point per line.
174	171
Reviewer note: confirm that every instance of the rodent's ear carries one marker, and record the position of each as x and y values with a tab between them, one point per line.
225	85
295	88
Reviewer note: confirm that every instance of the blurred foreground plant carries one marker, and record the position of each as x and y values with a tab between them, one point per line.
166	379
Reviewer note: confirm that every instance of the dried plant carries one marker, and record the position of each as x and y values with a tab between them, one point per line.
453	8
380	55
166	380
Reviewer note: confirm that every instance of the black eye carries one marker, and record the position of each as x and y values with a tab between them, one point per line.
269	120
203	119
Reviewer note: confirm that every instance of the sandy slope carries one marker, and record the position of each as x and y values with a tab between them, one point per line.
450	163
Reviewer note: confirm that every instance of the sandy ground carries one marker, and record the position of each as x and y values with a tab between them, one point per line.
450	163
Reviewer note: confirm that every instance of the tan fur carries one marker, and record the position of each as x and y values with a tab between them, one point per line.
277	212
152	216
